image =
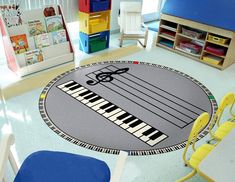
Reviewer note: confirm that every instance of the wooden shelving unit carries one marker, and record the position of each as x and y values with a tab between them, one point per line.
202	38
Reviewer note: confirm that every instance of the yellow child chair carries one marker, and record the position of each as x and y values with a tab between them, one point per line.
199	153
223	129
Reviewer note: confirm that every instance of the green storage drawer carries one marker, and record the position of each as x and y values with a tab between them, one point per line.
97	44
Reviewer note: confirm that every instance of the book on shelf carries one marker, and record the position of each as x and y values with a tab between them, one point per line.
11	14
42	40
54	23
59	36
168	27
36	27
19	43
34	56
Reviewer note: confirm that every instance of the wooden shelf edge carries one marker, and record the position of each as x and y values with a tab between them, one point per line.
163	46
223	45
199	40
166	37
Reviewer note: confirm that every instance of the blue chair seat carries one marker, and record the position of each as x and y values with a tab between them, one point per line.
48	166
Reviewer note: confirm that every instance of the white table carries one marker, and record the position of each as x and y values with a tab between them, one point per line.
219	165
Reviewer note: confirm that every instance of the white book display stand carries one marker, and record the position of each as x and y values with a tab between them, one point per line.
54	55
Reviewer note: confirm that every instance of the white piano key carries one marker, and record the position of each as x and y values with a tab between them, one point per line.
118	122
107	115
62	85
70	92
84	101
97	107
125	126
132	130
114	117
79	92
140	132
146	138
94	103
157	140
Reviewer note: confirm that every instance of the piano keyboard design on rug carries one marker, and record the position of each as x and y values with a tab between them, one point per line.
113	113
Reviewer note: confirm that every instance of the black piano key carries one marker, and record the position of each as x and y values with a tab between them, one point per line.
90	96
70	84
95	99
85	93
106	105
156	135
128	120
123	116
75	87
132	125
111	109
150	130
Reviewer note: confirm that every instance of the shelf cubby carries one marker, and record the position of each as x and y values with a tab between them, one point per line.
217	45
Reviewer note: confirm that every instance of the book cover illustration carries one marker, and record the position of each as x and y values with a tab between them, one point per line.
42	40
59	36
19	43
36	27
11	14
54	23
49	11
34	56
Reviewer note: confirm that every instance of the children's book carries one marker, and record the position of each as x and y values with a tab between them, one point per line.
36	27
42	40
59	36
34	56
54	23
19	43
11	14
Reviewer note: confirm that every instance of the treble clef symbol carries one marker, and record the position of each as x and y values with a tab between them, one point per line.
106	76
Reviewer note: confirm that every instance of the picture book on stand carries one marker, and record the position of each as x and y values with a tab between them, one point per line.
36	27
19	43
42	40
11	14
54	23
34	56
59	36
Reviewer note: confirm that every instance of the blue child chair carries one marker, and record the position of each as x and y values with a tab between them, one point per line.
53	166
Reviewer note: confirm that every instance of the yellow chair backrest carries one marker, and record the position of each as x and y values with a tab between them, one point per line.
227	101
198	125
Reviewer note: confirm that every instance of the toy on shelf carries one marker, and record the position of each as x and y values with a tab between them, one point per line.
38	42
94	23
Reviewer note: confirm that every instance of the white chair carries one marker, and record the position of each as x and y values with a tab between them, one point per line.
54	166
130	22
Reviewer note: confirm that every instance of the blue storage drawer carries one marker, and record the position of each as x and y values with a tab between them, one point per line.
94	42
100	5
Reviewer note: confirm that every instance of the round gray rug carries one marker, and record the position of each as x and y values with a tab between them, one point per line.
138	107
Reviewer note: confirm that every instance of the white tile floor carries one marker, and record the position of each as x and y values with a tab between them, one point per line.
21	113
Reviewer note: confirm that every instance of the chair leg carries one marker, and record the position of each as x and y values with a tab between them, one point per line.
121	39
188	176
146	38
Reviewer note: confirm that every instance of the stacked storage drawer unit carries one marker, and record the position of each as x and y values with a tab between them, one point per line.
94	23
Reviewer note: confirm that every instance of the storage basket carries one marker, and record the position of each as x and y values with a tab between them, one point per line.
97	25
99	5
212	59
97	44
219	40
192	33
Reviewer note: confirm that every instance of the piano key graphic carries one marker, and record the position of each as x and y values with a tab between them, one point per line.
113	113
